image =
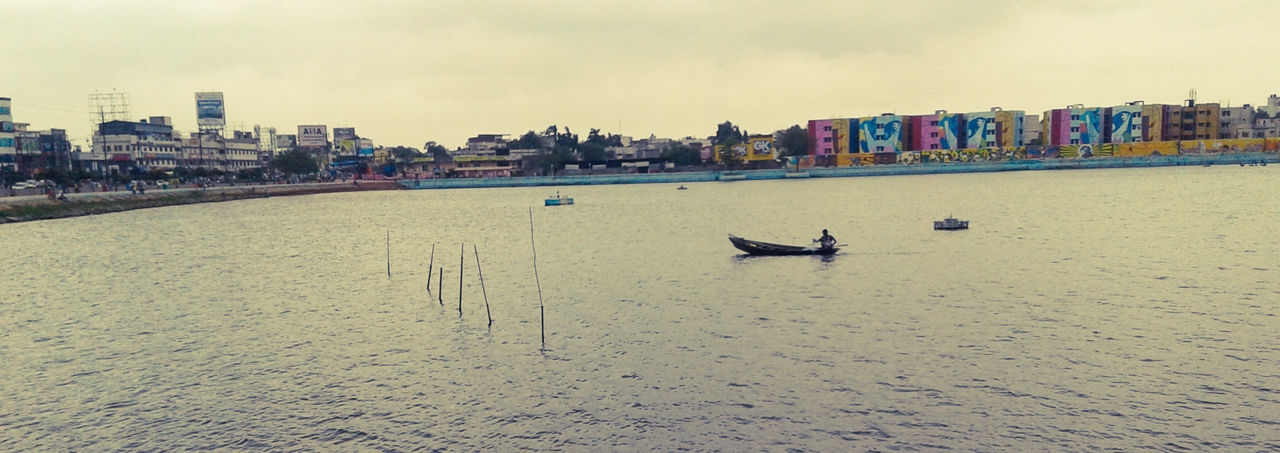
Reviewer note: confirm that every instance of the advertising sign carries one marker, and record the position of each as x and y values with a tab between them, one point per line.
313	136
347	145
286	141
366	147
343	133
209	110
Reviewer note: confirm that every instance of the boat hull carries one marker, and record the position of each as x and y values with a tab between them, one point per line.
559	201
765	248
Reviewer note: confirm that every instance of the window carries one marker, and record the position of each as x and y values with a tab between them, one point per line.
826	140
826	129
1075	117
1075	128
933	146
879	148
934	135
933	123
1075	141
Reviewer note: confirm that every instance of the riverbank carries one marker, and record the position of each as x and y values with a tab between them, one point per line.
23	209
841	172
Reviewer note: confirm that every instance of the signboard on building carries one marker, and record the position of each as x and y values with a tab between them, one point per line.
343	133
286	141
313	136
347	146
366	147
209	110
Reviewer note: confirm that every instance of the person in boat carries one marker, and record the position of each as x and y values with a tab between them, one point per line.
827	241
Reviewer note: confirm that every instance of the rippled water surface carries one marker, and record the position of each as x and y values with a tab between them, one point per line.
1083	310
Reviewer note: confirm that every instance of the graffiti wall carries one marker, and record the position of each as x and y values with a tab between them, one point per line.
1010	128
980	130
1126	124
1152	123
880	134
952	131
1088	150
1243	145
1086	126
845	135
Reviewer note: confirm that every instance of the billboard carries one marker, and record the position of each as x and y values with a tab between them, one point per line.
313	136
343	133
286	141
366	147
209	110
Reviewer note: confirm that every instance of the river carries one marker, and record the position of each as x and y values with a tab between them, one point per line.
1083	310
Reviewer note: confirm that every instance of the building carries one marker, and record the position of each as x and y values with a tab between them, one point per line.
1031	130
484	145
8	150
995	128
940	130
1236	122
1273	106
144	145
1124	123
211	151
1074	125
39	151
880	134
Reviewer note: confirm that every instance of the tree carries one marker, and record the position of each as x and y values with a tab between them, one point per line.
530	140
682	154
436	151
725	132
404	153
794	141
295	163
592	152
1261	115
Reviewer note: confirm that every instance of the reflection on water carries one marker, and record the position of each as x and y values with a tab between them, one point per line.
1119	309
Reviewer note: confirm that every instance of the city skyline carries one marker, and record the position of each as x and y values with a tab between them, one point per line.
406	73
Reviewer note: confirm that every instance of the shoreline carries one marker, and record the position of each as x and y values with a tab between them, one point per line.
33	208
859	171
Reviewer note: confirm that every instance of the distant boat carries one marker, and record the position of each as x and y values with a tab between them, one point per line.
951	223
557	200
765	248
682	188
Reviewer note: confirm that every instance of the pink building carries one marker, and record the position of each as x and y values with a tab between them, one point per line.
822	139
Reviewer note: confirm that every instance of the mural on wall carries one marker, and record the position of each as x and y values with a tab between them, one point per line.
844	132
1010	123
1042	152
1088	150
881	134
1152	119
977	128
1126	124
1242	145
909	157
1146	149
1089	124
950	125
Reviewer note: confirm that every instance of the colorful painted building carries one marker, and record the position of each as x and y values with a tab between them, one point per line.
821	138
1074	125
880	134
1125	124
930	132
996	128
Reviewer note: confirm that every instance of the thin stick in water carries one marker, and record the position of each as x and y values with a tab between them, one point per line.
542	317
430	266
388	253
440	287
462	257
482	291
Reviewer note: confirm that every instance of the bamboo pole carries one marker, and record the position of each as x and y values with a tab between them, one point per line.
482	290
388	253
440	286
542	316
430	266
462	257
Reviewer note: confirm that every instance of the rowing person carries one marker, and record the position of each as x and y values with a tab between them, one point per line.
827	240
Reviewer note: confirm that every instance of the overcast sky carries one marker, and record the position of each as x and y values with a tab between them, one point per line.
406	72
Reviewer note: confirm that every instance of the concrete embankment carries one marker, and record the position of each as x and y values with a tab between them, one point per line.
22	209
838	172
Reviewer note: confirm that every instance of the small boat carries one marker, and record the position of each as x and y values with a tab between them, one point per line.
557	200
682	188
765	248
951	223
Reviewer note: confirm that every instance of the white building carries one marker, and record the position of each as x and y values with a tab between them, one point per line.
148	144
1236	122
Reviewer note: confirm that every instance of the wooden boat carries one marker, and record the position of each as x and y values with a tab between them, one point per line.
682	188
765	248
951	223
557	200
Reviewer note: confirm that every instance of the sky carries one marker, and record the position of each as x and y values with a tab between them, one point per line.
407	72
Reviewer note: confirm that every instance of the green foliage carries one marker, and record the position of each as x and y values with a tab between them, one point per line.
794	141
295	163
1261	115
250	174
727	133
404	153
530	140
436	151
681	154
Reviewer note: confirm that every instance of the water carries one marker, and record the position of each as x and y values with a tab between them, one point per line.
1083	310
